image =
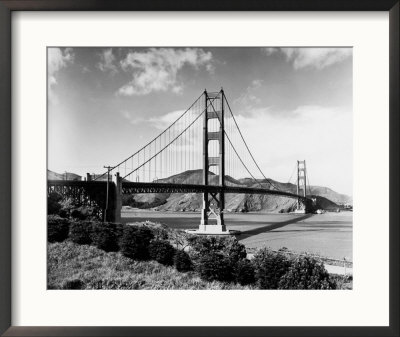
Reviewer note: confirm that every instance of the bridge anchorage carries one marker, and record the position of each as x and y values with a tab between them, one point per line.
202	152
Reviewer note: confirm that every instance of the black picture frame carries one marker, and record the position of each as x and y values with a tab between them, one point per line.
6	9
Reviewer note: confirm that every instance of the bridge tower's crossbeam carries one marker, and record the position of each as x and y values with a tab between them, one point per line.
214	103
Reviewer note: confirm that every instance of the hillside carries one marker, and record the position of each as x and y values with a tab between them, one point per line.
326	198
73	266
62	176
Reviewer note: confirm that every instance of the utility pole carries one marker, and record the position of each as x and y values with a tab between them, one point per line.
108	183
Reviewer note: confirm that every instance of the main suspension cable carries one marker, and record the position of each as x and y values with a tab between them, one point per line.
167	129
245	143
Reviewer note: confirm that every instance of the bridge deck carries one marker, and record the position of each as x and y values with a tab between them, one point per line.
138	187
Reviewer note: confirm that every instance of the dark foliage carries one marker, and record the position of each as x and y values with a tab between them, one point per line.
135	242
234	250
81	232
227	246
159	233
244	272
75	284
78	214
106	236
162	251
215	266
306	272
129	200
57	228
182	261
53	203
269	268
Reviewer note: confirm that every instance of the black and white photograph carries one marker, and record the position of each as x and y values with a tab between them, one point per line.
199	168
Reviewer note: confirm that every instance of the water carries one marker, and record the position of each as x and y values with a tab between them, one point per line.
329	235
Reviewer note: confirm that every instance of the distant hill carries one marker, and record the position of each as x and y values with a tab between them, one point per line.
62	176
326	197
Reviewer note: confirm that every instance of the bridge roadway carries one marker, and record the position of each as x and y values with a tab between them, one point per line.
141	187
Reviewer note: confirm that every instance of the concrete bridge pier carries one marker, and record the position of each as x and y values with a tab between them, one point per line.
117	204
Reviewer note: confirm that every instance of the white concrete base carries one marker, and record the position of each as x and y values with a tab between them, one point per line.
300	211
212	230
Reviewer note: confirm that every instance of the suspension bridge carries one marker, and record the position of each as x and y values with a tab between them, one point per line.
207	139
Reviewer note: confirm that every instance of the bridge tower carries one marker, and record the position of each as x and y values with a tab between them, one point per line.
213	111
301	183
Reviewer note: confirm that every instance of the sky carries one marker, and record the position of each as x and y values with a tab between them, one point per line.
290	103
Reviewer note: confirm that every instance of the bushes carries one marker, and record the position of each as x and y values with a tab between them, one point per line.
57	228
106	236
182	261
227	246
306	272
215	267
276	271
53	203
81	232
244	272
269	268
135	242
74	284
215	257
162	251
234	250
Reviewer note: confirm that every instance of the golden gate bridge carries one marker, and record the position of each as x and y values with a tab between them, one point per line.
206	138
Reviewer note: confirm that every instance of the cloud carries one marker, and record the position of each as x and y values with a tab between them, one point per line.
317	58
321	135
167	119
106	63
192	138
160	123
57	59
157	69
248	99
130	116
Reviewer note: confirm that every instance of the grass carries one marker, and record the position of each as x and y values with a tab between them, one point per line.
87	267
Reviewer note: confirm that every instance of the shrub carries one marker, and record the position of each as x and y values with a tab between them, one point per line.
306	272
235	251
77	213
74	284
135	242
81	232
159	232
269	268
105	236
57	228
182	261
162	251
343	282
215	266
244	272
227	246
53	203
